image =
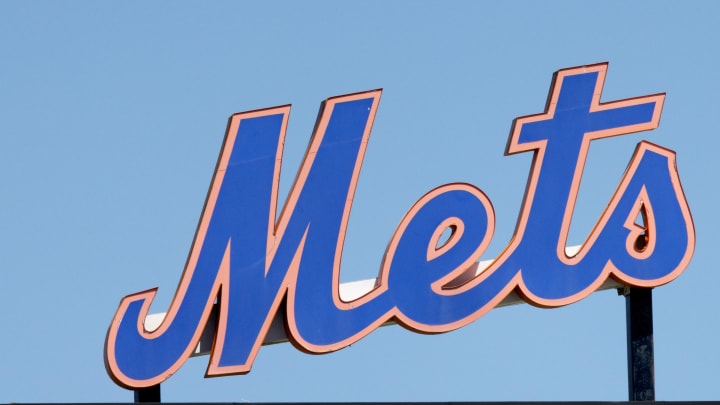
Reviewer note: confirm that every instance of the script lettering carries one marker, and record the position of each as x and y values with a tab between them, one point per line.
249	263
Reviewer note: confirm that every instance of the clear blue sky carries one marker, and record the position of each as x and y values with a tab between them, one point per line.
112	116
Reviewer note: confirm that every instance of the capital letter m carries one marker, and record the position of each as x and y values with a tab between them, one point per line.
241	256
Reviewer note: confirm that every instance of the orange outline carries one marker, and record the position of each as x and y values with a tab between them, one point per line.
441	286
539	146
276	231
293	333
457	228
147	296
642	206
514	147
456	281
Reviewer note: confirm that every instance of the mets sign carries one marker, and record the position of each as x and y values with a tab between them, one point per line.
255	266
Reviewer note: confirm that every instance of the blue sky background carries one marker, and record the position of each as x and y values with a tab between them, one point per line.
112	116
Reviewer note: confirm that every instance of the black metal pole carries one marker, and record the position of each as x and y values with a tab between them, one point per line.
640	346
149	394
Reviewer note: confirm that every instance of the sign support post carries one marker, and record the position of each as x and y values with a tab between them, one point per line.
640	346
149	394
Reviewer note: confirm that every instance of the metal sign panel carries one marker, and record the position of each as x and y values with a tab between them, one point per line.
429	280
